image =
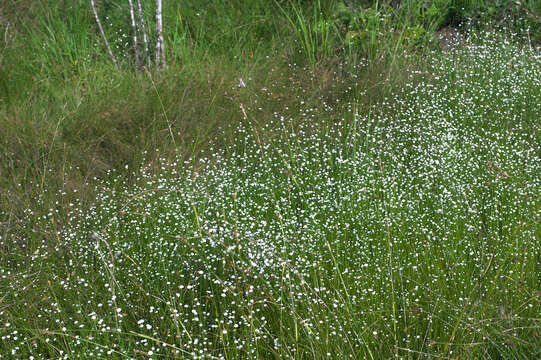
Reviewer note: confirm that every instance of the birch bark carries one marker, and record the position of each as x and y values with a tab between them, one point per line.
134	27
160	49
102	32
144	31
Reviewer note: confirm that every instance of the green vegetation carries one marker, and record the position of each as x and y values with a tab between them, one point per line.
305	179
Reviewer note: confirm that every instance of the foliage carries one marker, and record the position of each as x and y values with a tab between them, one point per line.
282	134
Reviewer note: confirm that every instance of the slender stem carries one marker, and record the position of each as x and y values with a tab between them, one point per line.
6	33
102	32
134	27
142	25
160	51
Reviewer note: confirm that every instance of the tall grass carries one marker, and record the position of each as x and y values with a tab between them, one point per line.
408	231
315	33
306	190
66	109
382	30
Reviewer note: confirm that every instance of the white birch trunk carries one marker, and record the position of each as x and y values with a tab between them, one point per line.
134	27
102	32
144	31
160	48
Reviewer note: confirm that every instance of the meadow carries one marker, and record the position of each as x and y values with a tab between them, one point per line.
303	180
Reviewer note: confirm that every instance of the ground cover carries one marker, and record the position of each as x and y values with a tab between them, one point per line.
411	232
303	202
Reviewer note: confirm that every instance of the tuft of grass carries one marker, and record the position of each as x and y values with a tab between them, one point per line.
314	33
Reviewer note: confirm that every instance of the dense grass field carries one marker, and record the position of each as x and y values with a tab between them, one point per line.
303	180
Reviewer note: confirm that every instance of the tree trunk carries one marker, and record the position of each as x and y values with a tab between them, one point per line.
160	49
134	27
102	32
143	29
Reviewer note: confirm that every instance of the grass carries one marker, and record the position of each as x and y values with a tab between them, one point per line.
347	199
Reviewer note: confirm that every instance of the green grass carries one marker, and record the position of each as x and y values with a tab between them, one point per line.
364	195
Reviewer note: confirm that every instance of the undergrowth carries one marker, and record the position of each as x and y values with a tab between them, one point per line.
304	180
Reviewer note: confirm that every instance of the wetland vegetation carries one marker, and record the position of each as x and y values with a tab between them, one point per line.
302	180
